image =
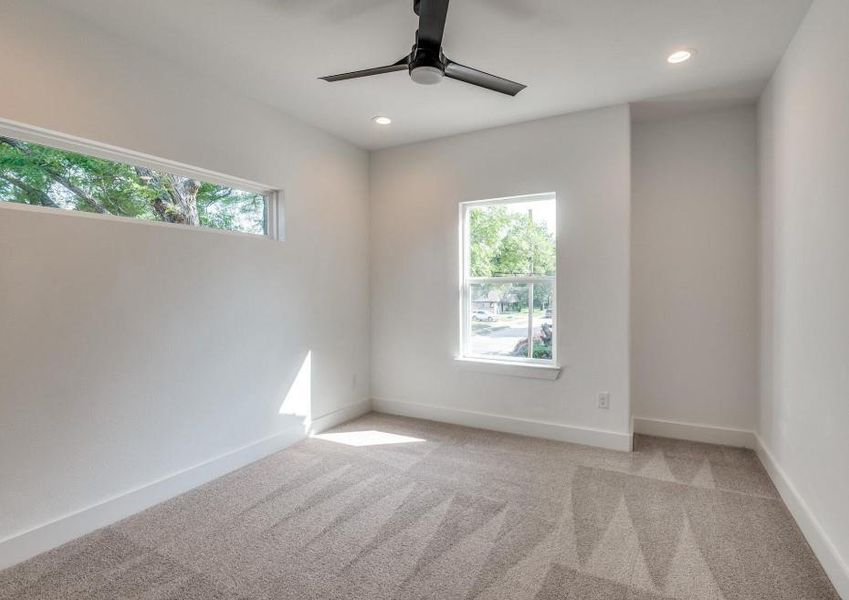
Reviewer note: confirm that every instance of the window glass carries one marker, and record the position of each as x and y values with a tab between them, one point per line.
512	239
543	320
509	279
44	176
499	320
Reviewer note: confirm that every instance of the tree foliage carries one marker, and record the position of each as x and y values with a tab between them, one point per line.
509	243
44	176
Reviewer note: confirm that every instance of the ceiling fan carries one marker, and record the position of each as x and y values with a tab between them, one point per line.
427	64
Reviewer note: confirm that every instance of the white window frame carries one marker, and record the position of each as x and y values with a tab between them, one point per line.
549	367
274	214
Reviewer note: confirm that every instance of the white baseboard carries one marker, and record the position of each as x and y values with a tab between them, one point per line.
332	419
695	432
44	537
21	546
543	429
835	566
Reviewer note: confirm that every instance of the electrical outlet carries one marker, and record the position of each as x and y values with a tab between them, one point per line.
604	400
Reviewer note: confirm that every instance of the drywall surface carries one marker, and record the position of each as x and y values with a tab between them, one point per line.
130	352
415	193
694	275
804	411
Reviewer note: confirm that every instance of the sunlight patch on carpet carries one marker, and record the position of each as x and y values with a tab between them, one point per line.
367	438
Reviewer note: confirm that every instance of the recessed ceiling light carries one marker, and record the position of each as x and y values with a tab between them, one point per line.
680	56
381	120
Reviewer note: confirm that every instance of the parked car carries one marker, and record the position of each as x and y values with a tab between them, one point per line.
483	315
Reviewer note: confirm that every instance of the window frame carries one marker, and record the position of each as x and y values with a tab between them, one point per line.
273	214
467	280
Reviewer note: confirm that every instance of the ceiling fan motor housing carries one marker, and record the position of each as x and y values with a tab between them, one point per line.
427	65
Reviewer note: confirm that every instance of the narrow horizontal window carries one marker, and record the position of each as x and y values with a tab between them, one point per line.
509	276
42	175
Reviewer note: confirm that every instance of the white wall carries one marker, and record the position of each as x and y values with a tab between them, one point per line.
129	352
416	189
694	252
804	413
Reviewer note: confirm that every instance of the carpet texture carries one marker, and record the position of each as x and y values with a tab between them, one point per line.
389	507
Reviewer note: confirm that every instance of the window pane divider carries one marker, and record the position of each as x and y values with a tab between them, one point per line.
512	279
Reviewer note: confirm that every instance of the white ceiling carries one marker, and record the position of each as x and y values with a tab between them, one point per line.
572	54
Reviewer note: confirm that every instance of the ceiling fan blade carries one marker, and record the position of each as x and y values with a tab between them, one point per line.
401	65
479	78
432	14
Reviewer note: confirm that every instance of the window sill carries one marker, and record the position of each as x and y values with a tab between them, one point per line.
496	367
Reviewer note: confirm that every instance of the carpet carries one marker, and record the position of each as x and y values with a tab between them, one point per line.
397	508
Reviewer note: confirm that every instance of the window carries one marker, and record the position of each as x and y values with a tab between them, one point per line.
149	190
509	279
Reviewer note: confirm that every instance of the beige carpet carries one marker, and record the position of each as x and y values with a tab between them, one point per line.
388	507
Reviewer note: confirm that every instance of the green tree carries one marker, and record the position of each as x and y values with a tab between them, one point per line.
508	243
44	176
487	227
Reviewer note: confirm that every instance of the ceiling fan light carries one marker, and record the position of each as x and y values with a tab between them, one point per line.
426	75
